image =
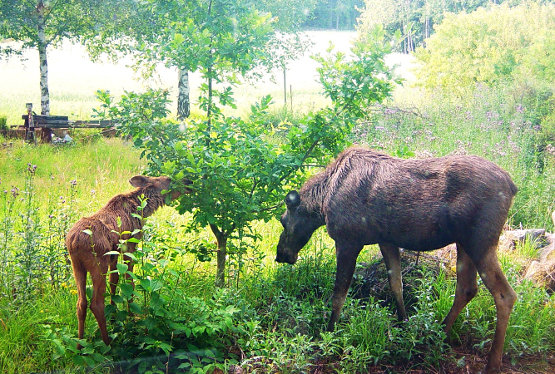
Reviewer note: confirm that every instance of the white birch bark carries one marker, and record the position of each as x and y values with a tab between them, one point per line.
183	100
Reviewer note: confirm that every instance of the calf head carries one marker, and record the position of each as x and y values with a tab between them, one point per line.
160	184
298	225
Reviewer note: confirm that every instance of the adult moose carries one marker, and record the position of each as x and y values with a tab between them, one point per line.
91	238
365	197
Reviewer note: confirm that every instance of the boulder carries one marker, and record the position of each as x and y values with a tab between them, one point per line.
542	271
510	238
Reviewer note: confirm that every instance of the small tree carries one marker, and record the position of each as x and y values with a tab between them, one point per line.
241	167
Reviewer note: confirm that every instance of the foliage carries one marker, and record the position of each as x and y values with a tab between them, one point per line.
219	38
19	21
416	20
3	125
32	250
334	14
277	313
489	46
41	24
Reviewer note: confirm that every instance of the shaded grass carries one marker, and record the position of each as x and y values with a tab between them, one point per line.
22	347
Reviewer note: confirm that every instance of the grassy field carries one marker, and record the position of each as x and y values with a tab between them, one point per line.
269	318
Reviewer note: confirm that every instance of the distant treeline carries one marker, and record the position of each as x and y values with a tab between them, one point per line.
334	14
414	19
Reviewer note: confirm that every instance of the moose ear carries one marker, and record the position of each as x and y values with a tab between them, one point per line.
139	181
292	200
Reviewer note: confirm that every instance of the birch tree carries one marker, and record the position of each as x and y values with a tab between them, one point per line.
177	33
40	25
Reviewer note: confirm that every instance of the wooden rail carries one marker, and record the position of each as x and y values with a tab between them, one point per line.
47	123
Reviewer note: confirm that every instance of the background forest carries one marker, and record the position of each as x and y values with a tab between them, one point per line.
247	99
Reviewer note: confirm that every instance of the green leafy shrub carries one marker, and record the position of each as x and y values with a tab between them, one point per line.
3	123
489	45
241	167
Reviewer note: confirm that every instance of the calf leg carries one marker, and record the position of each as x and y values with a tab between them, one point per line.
467	287
98	275
504	297
80	275
114	276
392	259
346	260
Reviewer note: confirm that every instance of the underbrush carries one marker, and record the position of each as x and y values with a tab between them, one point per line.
274	321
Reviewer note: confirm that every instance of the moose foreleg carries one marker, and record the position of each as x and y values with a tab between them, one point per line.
392	259
346	260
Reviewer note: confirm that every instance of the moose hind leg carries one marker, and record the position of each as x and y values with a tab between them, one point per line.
504	297
80	275
98	276
392	259
467	287
346	260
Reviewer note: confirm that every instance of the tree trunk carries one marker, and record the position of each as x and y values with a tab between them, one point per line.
44	94
183	101
221	239
285	88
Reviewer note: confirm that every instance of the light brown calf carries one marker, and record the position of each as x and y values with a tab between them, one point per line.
92	237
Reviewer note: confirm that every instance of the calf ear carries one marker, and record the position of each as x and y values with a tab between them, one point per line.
139	181
292	200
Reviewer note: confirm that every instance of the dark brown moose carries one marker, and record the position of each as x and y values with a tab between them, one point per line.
92	237
365	197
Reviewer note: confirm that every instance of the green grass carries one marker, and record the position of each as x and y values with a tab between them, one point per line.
278	312
101	169
281	311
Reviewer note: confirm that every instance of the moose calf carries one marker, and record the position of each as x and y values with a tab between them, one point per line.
92	237
365	197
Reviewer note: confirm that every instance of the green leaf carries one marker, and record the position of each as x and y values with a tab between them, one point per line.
121	268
